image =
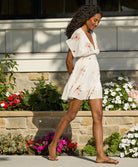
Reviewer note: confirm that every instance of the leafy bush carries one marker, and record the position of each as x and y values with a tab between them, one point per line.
13	144
43	97
129	143
7	66
112	144
90	148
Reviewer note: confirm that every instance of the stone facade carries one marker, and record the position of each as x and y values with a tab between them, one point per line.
26	80
40	123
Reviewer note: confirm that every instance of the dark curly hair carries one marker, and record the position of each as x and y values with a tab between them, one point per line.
80	17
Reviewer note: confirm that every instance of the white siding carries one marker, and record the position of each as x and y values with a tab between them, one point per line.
40	44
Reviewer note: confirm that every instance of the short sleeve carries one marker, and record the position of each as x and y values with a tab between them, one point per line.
78	45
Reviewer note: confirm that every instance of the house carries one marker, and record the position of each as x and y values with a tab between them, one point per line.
34	31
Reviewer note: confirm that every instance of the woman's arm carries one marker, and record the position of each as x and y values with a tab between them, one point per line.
69	62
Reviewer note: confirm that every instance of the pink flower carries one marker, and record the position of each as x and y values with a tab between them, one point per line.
134	94
21	93
21	97
46	137
40	141
66	138
18	101
35	147
61	145
40	148
59	149
64	142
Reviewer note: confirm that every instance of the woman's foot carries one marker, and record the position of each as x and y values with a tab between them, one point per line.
106	159
52	154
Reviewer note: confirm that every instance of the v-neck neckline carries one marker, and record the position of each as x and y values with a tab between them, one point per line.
93	45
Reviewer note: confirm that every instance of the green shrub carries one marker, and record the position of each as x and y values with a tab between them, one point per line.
7	66
44	97
90	148
85	106
112	144
13	144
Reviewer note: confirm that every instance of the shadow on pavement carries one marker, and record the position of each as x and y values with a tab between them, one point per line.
4	158
86	158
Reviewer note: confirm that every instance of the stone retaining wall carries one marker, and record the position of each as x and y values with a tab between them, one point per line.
40	123
26	80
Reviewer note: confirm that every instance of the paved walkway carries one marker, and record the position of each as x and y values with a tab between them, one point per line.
64	161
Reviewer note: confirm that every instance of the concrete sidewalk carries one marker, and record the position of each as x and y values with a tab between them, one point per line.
64	161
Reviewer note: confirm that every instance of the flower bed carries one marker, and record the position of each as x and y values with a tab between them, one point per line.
17	144
119	95
129	143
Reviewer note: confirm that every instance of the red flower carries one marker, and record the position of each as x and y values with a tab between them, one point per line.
70	145
10	103
21	97
76	144
27	145
15	101
10	98
14	96
6	106
3	102
30	141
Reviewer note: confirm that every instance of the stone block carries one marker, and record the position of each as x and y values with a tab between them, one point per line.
16	123
32	123
75	138
90	130
48	122
84	130
124	129
118	120
75	125
2	122
86	121
83	139
37	76
136	120
33	132
108	130
81	146
23	82
58	77
75	131
77	120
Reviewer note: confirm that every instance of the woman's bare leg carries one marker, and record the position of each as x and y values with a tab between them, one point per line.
74	106
97	114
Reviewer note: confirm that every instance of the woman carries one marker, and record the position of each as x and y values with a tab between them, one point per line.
84	81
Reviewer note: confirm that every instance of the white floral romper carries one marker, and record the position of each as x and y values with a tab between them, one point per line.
84	82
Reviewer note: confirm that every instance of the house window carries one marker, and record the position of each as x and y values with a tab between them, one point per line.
118	7
33	9
16	8
60	8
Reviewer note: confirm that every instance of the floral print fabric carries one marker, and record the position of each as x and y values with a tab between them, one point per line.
84	82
